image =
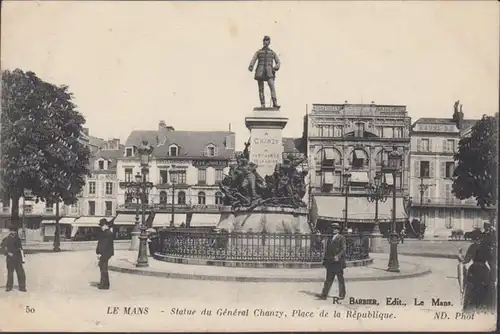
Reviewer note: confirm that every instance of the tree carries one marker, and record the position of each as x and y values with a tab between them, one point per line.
476	173
40	146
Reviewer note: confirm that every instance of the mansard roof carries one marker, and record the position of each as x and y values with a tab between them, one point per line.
190	143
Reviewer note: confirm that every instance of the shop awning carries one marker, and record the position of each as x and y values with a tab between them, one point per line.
205	219
63	220
127	219
359	209
359	177
89	221
163	219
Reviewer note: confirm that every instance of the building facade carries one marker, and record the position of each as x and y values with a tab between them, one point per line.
355	138
185	169
434	141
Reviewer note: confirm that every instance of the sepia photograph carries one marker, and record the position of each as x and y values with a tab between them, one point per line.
231	166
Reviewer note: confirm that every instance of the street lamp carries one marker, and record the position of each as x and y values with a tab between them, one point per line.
134	191
377	192
394	165
346	177
144	153
423	189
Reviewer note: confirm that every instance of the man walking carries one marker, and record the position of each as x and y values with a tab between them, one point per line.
334	262
105	250
13	250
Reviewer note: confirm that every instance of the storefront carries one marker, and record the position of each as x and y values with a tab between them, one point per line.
48	229
360	213
164	219
86	228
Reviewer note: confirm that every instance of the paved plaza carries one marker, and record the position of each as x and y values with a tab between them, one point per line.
62	295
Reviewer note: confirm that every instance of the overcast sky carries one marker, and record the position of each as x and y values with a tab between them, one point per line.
131	64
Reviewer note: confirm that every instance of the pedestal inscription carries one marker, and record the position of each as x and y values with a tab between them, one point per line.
266	141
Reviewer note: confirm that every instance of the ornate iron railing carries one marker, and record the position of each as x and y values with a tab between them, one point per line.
255	246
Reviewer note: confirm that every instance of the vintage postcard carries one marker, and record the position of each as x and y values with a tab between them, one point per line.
249	166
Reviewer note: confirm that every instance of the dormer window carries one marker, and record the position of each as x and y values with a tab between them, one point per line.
101	164
211	151
129	152
173	150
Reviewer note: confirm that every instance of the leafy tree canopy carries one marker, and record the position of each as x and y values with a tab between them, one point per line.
40	146
476	173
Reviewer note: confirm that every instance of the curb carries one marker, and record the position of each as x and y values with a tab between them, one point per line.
429	255
420	271
253	264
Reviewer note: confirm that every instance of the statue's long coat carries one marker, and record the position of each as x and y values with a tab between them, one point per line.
265	69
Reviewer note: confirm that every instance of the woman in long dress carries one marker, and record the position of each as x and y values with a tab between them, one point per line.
478	275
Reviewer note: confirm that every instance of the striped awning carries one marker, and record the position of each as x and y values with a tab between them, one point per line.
63	220
127	219
205	220
89	221
163	219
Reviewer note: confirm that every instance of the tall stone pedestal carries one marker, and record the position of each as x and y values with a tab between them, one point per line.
266	145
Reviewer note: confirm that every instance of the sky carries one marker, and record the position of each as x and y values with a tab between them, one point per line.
131	64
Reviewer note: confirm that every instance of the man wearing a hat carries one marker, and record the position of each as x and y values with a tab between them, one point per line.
334	262
265	70
105	250
13	249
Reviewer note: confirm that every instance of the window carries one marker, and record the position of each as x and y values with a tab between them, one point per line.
101	164
109	208
360	129
163	197
181	197
450	168
398	132
450	145
338	131
173	151
425	145
163	176
178	177
109	188
202	176
91	208
201	198
129	152
388	132
49	207
210	151
219	175
424	169
358	160
128	175
218	198
92	188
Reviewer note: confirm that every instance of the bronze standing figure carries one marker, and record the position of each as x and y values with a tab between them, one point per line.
265	71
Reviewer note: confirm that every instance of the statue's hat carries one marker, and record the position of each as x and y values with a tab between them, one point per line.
266	38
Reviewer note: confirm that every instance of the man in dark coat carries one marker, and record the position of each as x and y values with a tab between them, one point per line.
13	249
265	70
334	262
105	250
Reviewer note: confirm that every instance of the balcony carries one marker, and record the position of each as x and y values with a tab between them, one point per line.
444	202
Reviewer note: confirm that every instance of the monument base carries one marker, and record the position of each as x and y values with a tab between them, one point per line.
266	142
266	220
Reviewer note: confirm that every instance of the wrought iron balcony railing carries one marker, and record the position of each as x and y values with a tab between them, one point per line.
444	201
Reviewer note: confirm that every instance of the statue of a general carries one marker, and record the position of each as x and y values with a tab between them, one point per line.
265	70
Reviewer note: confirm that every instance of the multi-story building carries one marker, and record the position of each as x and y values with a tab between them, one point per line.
434	141
355	138
185	169
98	197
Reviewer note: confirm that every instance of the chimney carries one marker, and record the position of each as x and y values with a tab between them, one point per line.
162	125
